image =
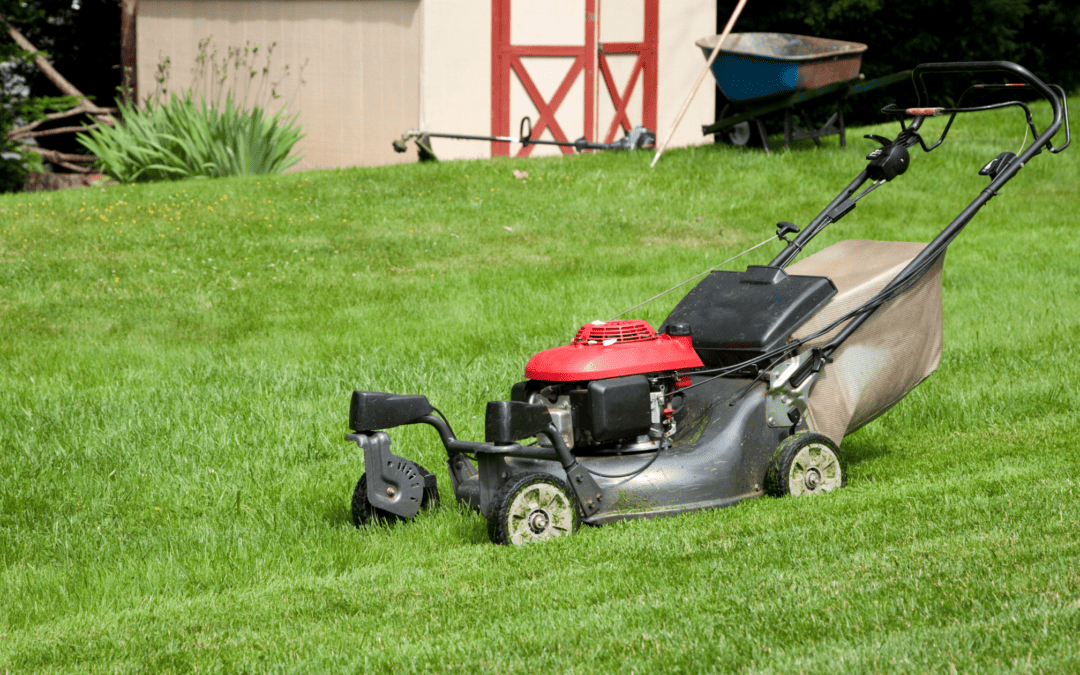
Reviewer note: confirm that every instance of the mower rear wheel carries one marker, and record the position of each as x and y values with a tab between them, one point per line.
805	464
363	512
533	507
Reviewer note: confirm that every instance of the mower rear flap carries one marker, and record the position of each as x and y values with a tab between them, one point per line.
737	315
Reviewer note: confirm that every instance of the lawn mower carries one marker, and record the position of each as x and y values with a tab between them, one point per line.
748	387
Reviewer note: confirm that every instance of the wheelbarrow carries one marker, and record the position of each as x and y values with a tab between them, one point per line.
761	73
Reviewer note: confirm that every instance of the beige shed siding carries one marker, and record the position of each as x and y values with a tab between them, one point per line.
680	61
457	76
361	64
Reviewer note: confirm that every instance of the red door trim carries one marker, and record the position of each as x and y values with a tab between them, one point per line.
547	108
589	58
620	101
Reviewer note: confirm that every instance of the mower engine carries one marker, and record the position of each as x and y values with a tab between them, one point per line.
611	390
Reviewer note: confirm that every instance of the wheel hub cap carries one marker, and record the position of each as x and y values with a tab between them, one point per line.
814	469
538	521
539	512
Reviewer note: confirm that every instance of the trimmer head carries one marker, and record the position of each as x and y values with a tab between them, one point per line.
423	145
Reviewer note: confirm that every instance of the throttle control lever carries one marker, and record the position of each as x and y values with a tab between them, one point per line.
888	161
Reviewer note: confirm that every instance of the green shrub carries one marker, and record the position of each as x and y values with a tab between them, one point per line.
187	139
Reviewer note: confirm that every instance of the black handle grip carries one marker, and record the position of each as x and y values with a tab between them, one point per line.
525	131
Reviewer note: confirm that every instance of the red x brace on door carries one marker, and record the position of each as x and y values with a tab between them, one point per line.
590	59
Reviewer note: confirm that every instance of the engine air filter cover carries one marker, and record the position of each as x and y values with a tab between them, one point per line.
613	349
634	330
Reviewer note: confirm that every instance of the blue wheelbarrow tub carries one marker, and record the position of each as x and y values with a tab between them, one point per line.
752	66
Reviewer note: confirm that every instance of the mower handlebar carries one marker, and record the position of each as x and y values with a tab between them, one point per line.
1019	71
921	262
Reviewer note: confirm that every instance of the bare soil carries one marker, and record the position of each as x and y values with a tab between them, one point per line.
47	182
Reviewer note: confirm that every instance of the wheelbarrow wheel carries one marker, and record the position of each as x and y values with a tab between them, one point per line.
363	512
533	507
805	464
742	135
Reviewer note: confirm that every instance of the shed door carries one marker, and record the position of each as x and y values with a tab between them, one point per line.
575	67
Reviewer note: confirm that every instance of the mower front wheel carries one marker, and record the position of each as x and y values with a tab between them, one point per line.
363	512
805	464
533	507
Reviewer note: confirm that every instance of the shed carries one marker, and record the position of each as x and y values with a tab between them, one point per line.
362	72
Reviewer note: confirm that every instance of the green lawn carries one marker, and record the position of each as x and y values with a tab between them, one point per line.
175	372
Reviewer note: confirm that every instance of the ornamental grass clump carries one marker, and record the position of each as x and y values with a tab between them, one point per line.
183	138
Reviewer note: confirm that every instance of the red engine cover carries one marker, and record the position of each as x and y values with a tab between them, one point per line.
613	349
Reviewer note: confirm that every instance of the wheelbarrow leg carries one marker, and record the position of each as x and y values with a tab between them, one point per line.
793	132
840	115
761	132
814	133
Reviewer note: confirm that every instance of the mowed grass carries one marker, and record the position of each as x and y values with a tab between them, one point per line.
175	373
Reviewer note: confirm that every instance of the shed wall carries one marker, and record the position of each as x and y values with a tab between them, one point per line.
681	23
372	69
360	63
456	89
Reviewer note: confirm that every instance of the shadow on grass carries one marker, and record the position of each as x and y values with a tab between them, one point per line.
857	451
461	523
338	516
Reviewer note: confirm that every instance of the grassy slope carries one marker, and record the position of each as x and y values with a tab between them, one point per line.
174	379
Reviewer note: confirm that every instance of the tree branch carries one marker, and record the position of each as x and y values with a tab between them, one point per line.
56	156
61	83
78	110
75	167
47	132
